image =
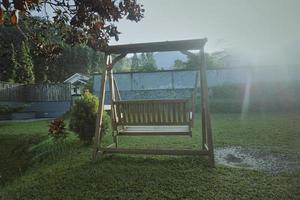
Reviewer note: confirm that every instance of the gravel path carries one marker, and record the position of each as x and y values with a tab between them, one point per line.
255	159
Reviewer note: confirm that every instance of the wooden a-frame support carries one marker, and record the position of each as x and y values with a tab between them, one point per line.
207	140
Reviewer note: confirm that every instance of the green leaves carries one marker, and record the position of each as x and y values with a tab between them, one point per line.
143	63
83	117
5	3
79	22
24	71
1	16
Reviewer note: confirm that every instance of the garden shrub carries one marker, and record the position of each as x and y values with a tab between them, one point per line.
54	146
83	118
5	109
57	129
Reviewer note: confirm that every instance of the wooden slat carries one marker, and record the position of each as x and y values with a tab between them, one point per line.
127	110
153	133
118	112
112	145
174	112
144	113
164	116
147	109
155	151
158	109
35	92
132	112
154	112
118	95
170	118
153	123
140	113
122	112
137	113
180	45
154	101
180	113
186	113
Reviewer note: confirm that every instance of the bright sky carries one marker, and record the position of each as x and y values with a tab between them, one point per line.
262	29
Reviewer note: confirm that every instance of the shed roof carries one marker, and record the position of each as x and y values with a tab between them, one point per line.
180	45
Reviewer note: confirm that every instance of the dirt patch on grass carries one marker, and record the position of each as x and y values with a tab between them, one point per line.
255	159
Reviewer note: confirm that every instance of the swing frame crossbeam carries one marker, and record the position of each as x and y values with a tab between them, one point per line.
184	46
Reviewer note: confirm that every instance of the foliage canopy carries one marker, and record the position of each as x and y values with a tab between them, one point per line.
80	21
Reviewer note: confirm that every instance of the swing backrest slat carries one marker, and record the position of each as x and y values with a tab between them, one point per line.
153	112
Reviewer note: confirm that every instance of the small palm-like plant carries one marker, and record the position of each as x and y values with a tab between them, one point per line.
57	129
55	146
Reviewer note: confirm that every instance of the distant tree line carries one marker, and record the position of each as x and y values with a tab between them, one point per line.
143	62
214	60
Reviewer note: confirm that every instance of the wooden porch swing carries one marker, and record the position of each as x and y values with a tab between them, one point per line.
156	116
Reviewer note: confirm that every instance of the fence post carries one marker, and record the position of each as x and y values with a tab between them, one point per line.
131	81
173	84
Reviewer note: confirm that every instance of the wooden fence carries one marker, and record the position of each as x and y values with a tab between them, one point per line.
11	91
35	92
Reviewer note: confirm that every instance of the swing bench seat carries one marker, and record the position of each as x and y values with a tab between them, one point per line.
153	117
154	130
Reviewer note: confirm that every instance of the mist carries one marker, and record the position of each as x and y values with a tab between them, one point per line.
258	32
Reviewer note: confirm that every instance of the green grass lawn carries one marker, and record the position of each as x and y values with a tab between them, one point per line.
73	176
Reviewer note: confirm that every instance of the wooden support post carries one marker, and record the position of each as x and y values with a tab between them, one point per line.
205	110
203	107
187	152
172	79
98	135
112	99
118	95
194	96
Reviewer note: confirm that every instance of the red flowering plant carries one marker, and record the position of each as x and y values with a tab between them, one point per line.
57	129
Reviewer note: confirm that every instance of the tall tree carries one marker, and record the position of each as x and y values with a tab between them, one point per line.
148	62
124	65
135	62
194	61
13	65
8	64
24	71
179	64
144	62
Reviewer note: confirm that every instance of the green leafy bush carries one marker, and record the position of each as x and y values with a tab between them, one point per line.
83	118
5	109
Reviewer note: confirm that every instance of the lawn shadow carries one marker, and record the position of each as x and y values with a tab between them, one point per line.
176	162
